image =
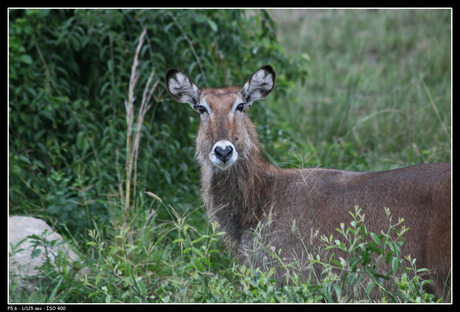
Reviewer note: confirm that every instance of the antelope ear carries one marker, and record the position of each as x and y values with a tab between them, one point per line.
182	88
259	85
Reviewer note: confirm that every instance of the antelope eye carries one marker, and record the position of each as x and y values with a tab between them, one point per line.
240	107
202	109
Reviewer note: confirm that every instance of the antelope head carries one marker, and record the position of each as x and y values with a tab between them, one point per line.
226	133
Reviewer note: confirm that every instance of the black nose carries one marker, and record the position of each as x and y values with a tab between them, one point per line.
224	154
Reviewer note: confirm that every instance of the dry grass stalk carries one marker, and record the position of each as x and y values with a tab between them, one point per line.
133	135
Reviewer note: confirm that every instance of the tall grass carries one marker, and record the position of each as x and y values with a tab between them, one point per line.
378	95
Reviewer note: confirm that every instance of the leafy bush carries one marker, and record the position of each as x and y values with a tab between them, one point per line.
361	277
55	278
142	265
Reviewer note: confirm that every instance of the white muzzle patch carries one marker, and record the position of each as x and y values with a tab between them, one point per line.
223	154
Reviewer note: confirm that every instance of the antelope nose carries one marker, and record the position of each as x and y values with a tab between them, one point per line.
224	154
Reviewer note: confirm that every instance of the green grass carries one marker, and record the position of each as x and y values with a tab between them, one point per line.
378	97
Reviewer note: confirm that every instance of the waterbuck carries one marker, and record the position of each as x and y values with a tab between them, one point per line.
289	207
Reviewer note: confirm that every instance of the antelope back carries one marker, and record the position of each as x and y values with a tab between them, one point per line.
225	134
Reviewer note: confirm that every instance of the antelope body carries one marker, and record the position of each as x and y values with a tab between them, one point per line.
243	193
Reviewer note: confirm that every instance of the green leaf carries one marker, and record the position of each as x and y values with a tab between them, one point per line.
212	25
326	296
397	250
376	239
354	262
422	270
42	147
81	140
42	12
337	289
36	253
388	257
26	59
336	263
201	18
394	264
197	251
371	246
165	299
98	278
24	159
199	239
127	269
331	257
34	236
205	260
369	288
366	257
364	231
39	164
114	250
198	265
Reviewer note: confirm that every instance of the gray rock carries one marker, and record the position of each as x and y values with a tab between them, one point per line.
21	265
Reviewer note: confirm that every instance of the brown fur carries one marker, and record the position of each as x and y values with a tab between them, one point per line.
291	206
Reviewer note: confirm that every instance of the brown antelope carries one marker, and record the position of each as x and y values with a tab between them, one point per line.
243	193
